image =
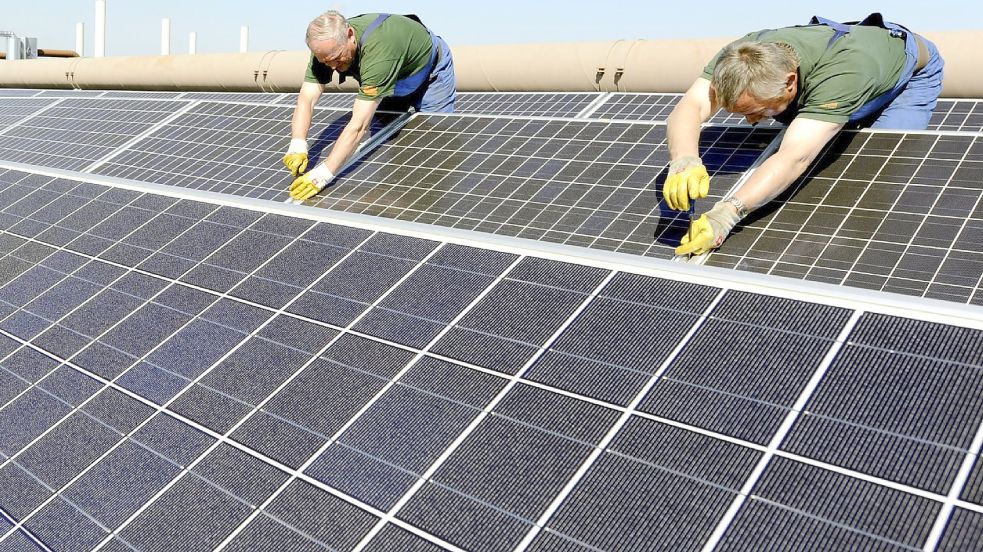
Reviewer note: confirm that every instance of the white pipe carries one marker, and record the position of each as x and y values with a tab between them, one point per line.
193	43
165	36
99	49
243	39
80	38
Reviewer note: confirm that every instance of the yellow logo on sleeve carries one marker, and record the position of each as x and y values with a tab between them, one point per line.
370	91
830	105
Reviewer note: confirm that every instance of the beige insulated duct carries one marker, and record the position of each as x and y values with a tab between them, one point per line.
623	65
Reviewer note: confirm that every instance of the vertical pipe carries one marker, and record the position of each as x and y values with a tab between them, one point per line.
193	43
99	50
243	39
80	38
165	36
13	47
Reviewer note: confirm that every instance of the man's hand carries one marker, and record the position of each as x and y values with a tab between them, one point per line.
311	183
710	230
688	179
296	157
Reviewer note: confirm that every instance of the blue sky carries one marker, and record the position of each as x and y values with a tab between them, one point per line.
134	25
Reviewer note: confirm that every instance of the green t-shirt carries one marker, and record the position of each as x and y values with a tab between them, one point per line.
835	83
395	50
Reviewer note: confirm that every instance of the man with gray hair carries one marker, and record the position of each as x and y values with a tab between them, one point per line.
393	58
816	79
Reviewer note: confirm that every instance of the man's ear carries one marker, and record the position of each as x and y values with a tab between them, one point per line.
791	81
713	98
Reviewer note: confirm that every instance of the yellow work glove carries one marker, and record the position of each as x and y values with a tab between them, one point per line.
710	230
688	179
311	183
296	157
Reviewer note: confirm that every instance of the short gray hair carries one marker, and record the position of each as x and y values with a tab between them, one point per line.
330	25
758	68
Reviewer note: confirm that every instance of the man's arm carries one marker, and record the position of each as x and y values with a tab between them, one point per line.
803	141
296	158
687	178
320	176
352	134
306	100
683	131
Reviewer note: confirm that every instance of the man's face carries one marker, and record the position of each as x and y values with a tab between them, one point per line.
336	56
755	110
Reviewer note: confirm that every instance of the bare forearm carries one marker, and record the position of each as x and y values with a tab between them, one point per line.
772	178
344	146
683	132
301	122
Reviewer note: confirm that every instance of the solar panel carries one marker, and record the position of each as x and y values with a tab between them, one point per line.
962	115
141	94
636	106
16	92
886	211
542	104
531	104
593	184
69	93
179	375
229	148
76	132
247	97
14	109
340	100
641	106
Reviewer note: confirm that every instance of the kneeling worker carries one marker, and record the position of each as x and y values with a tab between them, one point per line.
391	56
816	79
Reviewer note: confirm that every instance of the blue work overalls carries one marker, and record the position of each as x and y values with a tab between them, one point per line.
433	88
910	103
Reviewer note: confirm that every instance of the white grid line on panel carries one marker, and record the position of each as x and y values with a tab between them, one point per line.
776	441
513	380
54	102
625	415
136	139
958	485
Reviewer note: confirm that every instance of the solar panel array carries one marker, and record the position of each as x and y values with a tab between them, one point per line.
592	184
76	132
228	148
886	211
180	375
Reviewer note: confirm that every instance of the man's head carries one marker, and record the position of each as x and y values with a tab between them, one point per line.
332	40
755	79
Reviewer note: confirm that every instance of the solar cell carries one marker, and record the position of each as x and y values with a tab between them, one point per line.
76	132
230	148
189	413
888	211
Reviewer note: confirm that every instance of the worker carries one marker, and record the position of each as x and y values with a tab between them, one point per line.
816	79
393	58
